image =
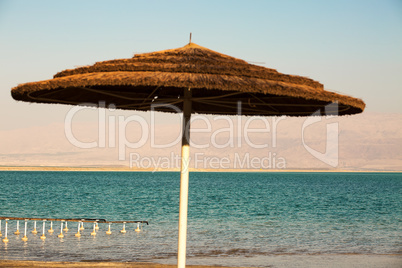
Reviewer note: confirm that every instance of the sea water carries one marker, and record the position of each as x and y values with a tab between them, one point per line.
233	218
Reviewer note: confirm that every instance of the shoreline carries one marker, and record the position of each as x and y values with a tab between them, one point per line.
127	169
18	263
345	260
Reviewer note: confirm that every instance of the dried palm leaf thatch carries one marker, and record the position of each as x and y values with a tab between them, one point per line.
220	84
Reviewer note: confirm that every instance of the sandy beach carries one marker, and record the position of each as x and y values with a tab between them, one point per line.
13	263
279	261
128	169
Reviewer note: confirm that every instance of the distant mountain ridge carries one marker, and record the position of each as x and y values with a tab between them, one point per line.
365	142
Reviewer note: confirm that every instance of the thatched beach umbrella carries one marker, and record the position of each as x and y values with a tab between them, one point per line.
195	79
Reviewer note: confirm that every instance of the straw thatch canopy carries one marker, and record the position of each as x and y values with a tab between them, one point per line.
217	82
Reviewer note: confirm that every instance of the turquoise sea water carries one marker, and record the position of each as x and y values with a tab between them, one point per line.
240	215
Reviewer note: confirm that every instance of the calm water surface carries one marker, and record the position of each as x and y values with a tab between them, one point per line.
231	215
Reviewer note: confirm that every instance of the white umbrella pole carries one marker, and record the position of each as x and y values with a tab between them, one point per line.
184	178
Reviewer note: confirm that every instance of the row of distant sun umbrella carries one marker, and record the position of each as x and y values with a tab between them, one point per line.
63	226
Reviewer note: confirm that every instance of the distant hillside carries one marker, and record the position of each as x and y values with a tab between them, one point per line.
365	142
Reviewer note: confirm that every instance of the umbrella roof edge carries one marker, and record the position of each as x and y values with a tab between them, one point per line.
195	81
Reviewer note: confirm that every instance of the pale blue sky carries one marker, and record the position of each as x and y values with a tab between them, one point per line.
352	47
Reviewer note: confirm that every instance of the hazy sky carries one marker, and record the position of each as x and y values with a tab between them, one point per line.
352	47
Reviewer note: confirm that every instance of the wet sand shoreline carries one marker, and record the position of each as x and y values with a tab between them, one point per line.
14	263
346	260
